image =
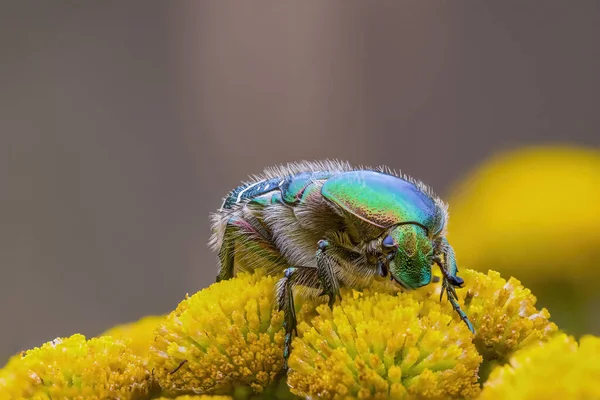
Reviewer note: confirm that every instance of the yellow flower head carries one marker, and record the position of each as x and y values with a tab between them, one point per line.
227	334
228	339
140	333
72	368
531	213
554	370
503	313
198	397
379	345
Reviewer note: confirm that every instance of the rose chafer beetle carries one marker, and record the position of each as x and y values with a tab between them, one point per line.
323	225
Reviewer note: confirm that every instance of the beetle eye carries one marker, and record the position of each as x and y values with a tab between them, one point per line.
388	242
389	246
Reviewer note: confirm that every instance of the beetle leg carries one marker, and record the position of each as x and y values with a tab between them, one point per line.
450	263
247	232
285	300
452	298
382	268
448	283
226	254
326	274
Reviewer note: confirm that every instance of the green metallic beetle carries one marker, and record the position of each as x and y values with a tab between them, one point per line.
321	225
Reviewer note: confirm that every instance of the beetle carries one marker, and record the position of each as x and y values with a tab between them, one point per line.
325	224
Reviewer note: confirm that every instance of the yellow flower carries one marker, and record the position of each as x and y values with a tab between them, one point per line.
558	369
140	333
503	313
227	334
531	213
198	397
73	368
228	340
378	345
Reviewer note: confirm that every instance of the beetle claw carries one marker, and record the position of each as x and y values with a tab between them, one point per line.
332	297
331	303
456	281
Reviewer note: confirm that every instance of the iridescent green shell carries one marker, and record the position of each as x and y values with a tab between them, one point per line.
383	200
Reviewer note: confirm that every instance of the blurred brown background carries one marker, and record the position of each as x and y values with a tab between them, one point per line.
122	125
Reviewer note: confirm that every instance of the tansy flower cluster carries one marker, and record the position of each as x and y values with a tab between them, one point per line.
230	336
377	345
559	369
227	334
76	368
198	397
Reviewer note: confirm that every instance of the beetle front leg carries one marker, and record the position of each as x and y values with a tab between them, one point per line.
293	276
447	286
448	283
449	266
326	273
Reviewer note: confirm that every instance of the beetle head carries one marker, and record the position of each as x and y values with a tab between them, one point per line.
410	265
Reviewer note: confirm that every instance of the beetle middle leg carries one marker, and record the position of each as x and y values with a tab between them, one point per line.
305	276
326	273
